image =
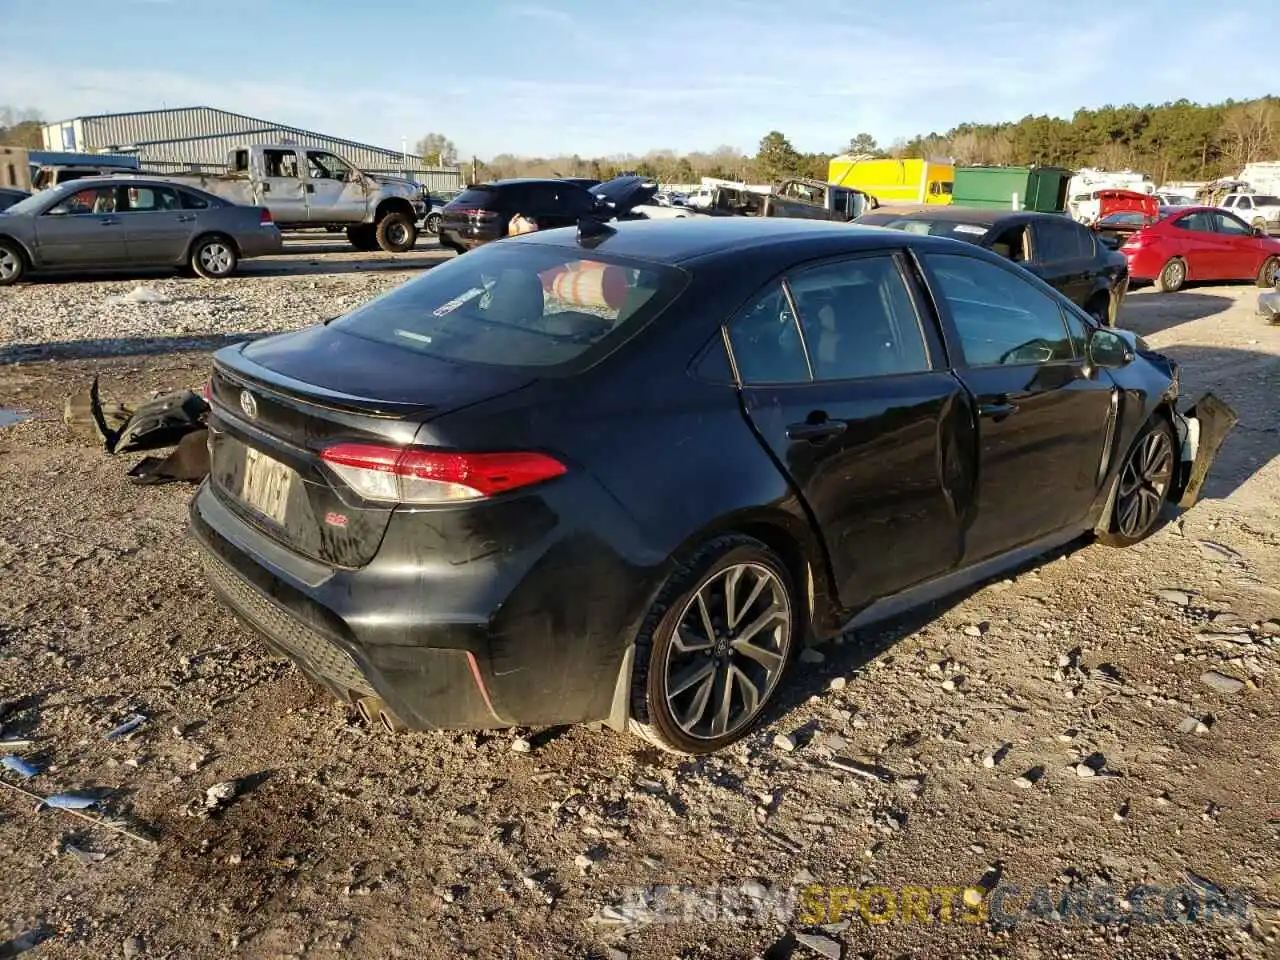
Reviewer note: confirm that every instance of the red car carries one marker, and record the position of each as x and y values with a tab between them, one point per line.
1201	243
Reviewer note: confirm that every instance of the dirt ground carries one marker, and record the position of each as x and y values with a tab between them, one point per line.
343	841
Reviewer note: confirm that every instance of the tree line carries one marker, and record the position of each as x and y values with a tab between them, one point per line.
1179	140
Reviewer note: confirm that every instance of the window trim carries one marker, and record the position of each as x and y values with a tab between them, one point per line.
955	343
899	256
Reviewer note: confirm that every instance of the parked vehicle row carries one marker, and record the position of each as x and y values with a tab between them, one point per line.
1056	249
130	221
620	475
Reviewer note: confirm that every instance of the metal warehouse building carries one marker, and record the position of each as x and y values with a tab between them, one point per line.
200	137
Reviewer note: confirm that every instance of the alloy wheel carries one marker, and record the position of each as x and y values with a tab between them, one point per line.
1144	482
728	651
1175	274
1270	273
9	265
216	258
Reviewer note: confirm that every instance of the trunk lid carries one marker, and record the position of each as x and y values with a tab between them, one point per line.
277	403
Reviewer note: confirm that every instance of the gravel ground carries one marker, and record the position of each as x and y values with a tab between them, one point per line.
1050	729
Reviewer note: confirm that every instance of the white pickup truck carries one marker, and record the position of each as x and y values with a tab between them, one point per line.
309	187
1257	209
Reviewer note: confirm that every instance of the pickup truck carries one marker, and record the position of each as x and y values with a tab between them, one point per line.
309	187
1256	209
797	197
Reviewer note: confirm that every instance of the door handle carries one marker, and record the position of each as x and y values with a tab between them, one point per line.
187	218
109	222
999	410
311	188
816	432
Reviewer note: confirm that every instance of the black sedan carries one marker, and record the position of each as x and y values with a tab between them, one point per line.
1060	251
620	473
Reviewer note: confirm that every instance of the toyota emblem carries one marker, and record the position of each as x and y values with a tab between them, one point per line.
249	404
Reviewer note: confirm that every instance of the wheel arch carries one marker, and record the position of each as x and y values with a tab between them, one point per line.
394	205
209	235
22	248
787	535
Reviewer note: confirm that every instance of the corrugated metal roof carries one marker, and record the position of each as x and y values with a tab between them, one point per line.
117	130
213	149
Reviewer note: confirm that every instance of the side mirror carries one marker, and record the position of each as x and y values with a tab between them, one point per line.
1108	350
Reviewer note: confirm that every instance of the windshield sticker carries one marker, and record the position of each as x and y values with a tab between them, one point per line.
410	335
968	228
456	302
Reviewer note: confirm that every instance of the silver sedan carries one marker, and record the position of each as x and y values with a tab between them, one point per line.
130	221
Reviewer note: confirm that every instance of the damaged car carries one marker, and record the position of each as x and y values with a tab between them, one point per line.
623	473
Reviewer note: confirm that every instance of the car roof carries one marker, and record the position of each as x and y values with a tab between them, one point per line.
681	240
985	216
516	181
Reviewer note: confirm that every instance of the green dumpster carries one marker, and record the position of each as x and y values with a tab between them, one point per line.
1035	188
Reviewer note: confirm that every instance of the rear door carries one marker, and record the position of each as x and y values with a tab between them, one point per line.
1200	245
282	186
157	228
1042	418
84	229
843	379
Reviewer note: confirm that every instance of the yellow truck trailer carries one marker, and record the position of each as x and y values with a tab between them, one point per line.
894	181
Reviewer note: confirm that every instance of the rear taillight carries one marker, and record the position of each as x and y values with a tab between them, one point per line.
422	475
264	218
1134	241
483	214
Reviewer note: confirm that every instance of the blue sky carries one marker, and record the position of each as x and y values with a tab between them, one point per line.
562	76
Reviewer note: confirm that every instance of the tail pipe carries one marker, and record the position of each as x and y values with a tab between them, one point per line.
374	711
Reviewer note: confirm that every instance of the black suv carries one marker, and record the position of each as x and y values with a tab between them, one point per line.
483	211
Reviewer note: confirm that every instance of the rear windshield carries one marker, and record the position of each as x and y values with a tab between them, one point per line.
473	197
973	232
519	305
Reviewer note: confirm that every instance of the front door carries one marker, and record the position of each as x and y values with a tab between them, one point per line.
84	229
1042	416
848	390
1200	245
157	229
1240	254
335	193
282	186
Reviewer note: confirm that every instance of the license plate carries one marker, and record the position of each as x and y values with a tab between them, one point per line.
266	484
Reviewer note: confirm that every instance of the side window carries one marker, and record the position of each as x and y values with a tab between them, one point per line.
191	201
1230	225
766	341
1000	317
280	163
1084	241
1055	241
1199	222
1077	329
859	320
150	199
325	166
240	161
1011	243
89	201
1244	203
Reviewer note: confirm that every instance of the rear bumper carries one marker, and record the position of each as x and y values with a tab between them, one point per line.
262	242
460	240
531	636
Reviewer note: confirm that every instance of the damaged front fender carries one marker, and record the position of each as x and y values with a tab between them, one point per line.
1201	429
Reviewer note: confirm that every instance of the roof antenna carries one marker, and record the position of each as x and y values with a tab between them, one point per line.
592	232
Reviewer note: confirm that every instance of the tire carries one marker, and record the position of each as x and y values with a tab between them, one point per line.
433	224
1146	476
13	263
214	257
362	237
685	722
1269	272
1172	276
396	233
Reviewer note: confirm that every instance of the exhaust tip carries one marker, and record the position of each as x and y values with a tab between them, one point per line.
374	712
